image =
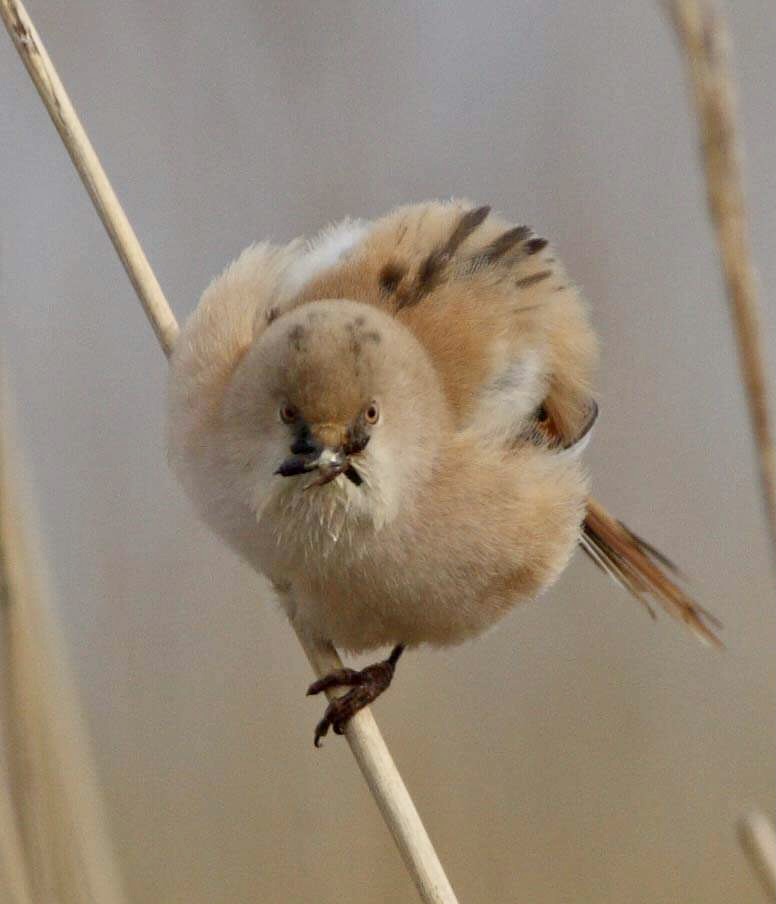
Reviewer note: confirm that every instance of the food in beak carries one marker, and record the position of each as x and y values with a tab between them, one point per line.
329	463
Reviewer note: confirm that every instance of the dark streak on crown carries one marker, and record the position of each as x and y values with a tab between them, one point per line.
295	336
357	335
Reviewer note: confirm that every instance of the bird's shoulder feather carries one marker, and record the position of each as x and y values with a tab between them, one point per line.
490	303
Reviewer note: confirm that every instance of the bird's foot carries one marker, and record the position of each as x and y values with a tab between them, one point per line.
365	686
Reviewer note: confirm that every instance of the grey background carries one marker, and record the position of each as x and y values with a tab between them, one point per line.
578	753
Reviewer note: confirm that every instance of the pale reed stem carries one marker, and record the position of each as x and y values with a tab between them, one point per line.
53	842
758	840
703	36
362	733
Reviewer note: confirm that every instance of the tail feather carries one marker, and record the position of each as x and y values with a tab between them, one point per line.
643	571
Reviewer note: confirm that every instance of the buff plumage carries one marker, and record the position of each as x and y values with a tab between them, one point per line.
387	423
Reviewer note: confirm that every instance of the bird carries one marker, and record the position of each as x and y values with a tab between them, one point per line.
387	421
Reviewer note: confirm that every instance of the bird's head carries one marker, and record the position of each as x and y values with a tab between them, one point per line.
336	404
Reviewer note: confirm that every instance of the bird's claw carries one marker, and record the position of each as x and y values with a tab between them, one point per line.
365	686
335	718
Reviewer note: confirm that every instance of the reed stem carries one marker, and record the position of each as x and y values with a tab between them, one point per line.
703	36
362	733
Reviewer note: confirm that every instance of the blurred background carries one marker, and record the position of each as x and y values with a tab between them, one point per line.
580	752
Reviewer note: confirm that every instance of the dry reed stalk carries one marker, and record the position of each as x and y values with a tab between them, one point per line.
758	840
703	35
14	876
362	732
53	841
15	880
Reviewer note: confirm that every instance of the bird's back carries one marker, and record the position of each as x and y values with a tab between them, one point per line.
491	304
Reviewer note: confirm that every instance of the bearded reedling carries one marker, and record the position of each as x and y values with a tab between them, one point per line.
387	423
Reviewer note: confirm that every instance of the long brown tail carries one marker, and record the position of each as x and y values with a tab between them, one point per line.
643	571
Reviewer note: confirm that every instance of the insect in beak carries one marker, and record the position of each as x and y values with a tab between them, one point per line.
329	463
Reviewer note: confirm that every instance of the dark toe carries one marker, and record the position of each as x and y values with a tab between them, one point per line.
365	687
321	730
316	687
337	678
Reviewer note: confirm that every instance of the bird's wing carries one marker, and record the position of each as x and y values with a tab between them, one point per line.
492	305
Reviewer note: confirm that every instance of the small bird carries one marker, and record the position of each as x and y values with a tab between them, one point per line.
387	422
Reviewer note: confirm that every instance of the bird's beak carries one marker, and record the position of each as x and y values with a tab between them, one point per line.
315	454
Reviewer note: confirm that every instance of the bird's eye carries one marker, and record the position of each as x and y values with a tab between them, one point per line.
372	413
288	414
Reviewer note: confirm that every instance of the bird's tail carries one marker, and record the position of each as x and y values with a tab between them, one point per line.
642	570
